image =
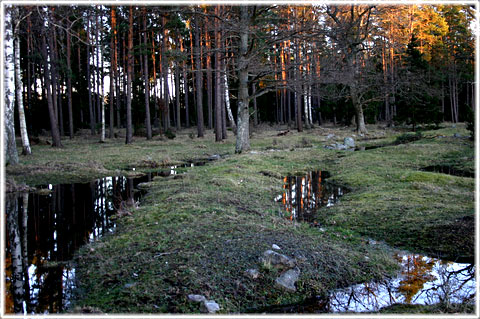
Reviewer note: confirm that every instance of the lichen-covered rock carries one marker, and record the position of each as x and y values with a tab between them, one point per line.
349	142
288	279
272	258
210	306
197	298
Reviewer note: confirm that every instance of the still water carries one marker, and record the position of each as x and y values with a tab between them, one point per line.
46	228
303	195
422	281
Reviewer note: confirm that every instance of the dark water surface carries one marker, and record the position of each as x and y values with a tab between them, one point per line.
45	229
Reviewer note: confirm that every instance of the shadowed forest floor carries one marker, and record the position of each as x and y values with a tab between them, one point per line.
199	232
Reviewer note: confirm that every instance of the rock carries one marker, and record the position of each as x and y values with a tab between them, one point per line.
197	298
457	135
300	256
254	152
329	136
144	186
274	246
210	306
340	147
349	142
275	259
252	273
454	126
288	279
214	157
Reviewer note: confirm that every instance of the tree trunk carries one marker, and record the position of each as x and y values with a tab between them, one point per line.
11	155
56	141
198	78
243	117
185	87
15	248
209	74
361	129
146	78
218	84
255	111
177	95
113	68
18	87
128	139
69	84
227	101
89	84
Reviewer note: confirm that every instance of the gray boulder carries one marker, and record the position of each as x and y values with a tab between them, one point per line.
197	298
349	142
288	279
210	306
272	258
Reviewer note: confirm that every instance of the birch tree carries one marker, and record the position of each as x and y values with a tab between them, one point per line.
11	155
19	85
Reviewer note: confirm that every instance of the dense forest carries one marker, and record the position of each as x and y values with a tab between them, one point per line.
155	69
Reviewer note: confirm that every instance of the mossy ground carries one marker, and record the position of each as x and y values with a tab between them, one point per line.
199	233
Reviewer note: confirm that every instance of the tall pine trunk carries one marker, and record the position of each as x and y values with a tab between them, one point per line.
148	124
128	138
198	78
69	84
56	142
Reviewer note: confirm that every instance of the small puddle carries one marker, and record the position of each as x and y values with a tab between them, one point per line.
422	280
447	169
304	195
51	225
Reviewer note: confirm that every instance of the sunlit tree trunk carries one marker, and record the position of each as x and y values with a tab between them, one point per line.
11	155
198	78
218	84
128	139
113	67
18	87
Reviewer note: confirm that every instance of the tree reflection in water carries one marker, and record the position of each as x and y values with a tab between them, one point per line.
303	195
44	231
423	280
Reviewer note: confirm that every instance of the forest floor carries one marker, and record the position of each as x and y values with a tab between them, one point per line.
198	234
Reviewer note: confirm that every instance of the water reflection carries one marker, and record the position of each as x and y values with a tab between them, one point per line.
423	280
44	231
303	195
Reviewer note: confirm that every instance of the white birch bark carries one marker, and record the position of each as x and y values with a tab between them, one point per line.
227	101
18	88
11	155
